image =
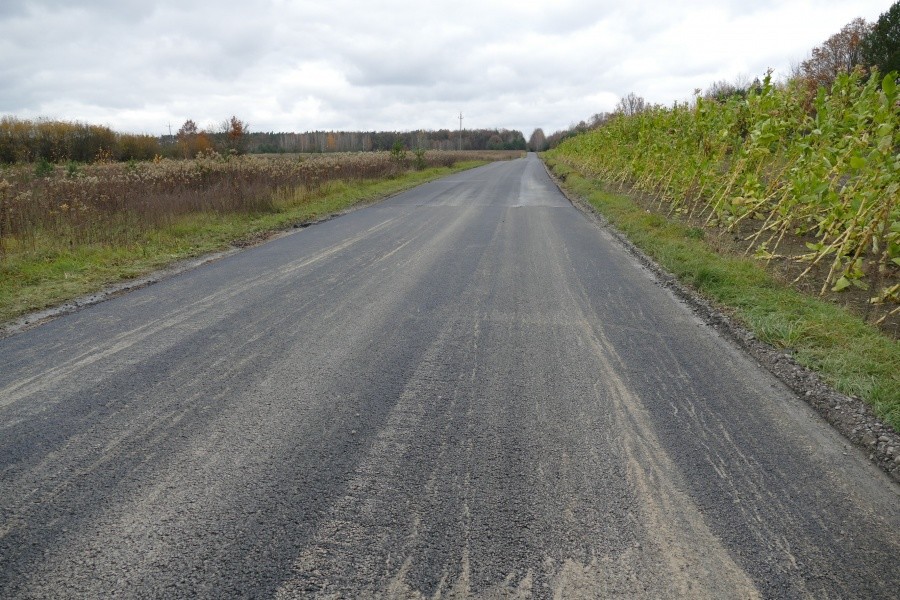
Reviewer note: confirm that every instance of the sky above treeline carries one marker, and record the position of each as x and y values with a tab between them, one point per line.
140	66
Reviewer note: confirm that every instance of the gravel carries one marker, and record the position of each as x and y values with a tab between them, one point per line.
849	415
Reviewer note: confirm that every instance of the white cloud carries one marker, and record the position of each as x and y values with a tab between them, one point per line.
393	64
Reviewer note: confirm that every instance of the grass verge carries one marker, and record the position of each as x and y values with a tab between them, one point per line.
852	356
45	275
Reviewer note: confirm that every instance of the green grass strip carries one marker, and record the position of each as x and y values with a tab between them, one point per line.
48	275
852	356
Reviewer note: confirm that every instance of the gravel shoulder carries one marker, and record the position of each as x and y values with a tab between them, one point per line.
850	416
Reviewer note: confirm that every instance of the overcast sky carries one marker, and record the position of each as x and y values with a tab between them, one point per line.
298	65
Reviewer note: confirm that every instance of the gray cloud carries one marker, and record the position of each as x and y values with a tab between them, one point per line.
393	64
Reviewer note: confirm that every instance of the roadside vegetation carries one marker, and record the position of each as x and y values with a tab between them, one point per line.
853	356
774	171
68	230
753	192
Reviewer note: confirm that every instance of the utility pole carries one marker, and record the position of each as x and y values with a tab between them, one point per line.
460	130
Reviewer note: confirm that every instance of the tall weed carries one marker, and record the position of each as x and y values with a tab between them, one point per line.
823	170
115	203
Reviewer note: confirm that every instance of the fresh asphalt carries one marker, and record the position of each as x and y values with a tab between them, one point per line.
468	390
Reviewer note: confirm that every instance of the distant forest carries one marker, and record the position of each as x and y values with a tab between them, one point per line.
24	140
364	141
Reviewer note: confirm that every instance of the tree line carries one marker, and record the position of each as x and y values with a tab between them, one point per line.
33	140
365	141
26	140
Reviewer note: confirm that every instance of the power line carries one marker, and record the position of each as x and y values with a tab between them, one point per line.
460	130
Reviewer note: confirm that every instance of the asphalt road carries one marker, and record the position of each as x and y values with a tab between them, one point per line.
468	390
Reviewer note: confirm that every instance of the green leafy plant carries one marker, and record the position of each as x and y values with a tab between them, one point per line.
767	163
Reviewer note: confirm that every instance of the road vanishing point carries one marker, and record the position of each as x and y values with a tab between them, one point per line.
469	390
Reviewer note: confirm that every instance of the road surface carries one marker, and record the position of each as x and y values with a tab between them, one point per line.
468	390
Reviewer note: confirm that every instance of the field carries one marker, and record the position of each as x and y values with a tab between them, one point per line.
754	199
68	229
810	179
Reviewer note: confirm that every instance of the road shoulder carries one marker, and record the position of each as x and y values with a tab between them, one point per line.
849	415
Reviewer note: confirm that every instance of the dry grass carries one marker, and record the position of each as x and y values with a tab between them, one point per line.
117	203
68	231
